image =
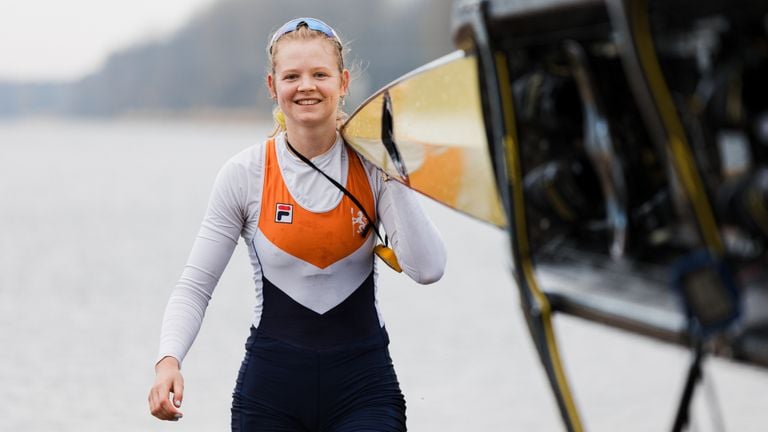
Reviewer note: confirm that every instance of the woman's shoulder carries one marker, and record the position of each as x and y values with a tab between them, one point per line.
371	171
368	165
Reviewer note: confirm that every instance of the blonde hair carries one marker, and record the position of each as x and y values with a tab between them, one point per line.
304	34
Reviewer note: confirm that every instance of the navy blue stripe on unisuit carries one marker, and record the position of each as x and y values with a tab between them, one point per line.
353	319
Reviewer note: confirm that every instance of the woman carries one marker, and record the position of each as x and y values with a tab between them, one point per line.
317	356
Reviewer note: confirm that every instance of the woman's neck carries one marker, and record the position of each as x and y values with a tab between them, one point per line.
311	142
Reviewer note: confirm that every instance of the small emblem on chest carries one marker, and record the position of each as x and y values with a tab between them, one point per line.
359	222
284	213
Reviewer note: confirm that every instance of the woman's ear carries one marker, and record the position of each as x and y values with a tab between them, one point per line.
344	82
271	86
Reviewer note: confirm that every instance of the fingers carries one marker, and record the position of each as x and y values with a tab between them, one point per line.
160	402
161	407
178	391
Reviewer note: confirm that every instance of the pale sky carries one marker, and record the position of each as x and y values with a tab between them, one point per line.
66	39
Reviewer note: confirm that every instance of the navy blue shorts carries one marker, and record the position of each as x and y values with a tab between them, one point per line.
281	387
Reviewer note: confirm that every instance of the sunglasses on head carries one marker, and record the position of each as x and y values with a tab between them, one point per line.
297	23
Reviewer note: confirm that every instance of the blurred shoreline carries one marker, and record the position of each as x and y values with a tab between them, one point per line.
199	116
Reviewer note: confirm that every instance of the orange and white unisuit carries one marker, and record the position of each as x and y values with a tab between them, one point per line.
289	227
314	275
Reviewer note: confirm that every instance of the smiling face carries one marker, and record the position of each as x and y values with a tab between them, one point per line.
306	81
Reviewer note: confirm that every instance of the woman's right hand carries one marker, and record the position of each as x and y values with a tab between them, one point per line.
168	380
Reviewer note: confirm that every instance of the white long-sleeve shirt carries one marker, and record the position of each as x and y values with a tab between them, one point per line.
235	210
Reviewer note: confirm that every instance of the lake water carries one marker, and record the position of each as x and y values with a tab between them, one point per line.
97	218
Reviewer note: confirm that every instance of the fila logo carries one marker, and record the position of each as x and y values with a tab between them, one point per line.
284	213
